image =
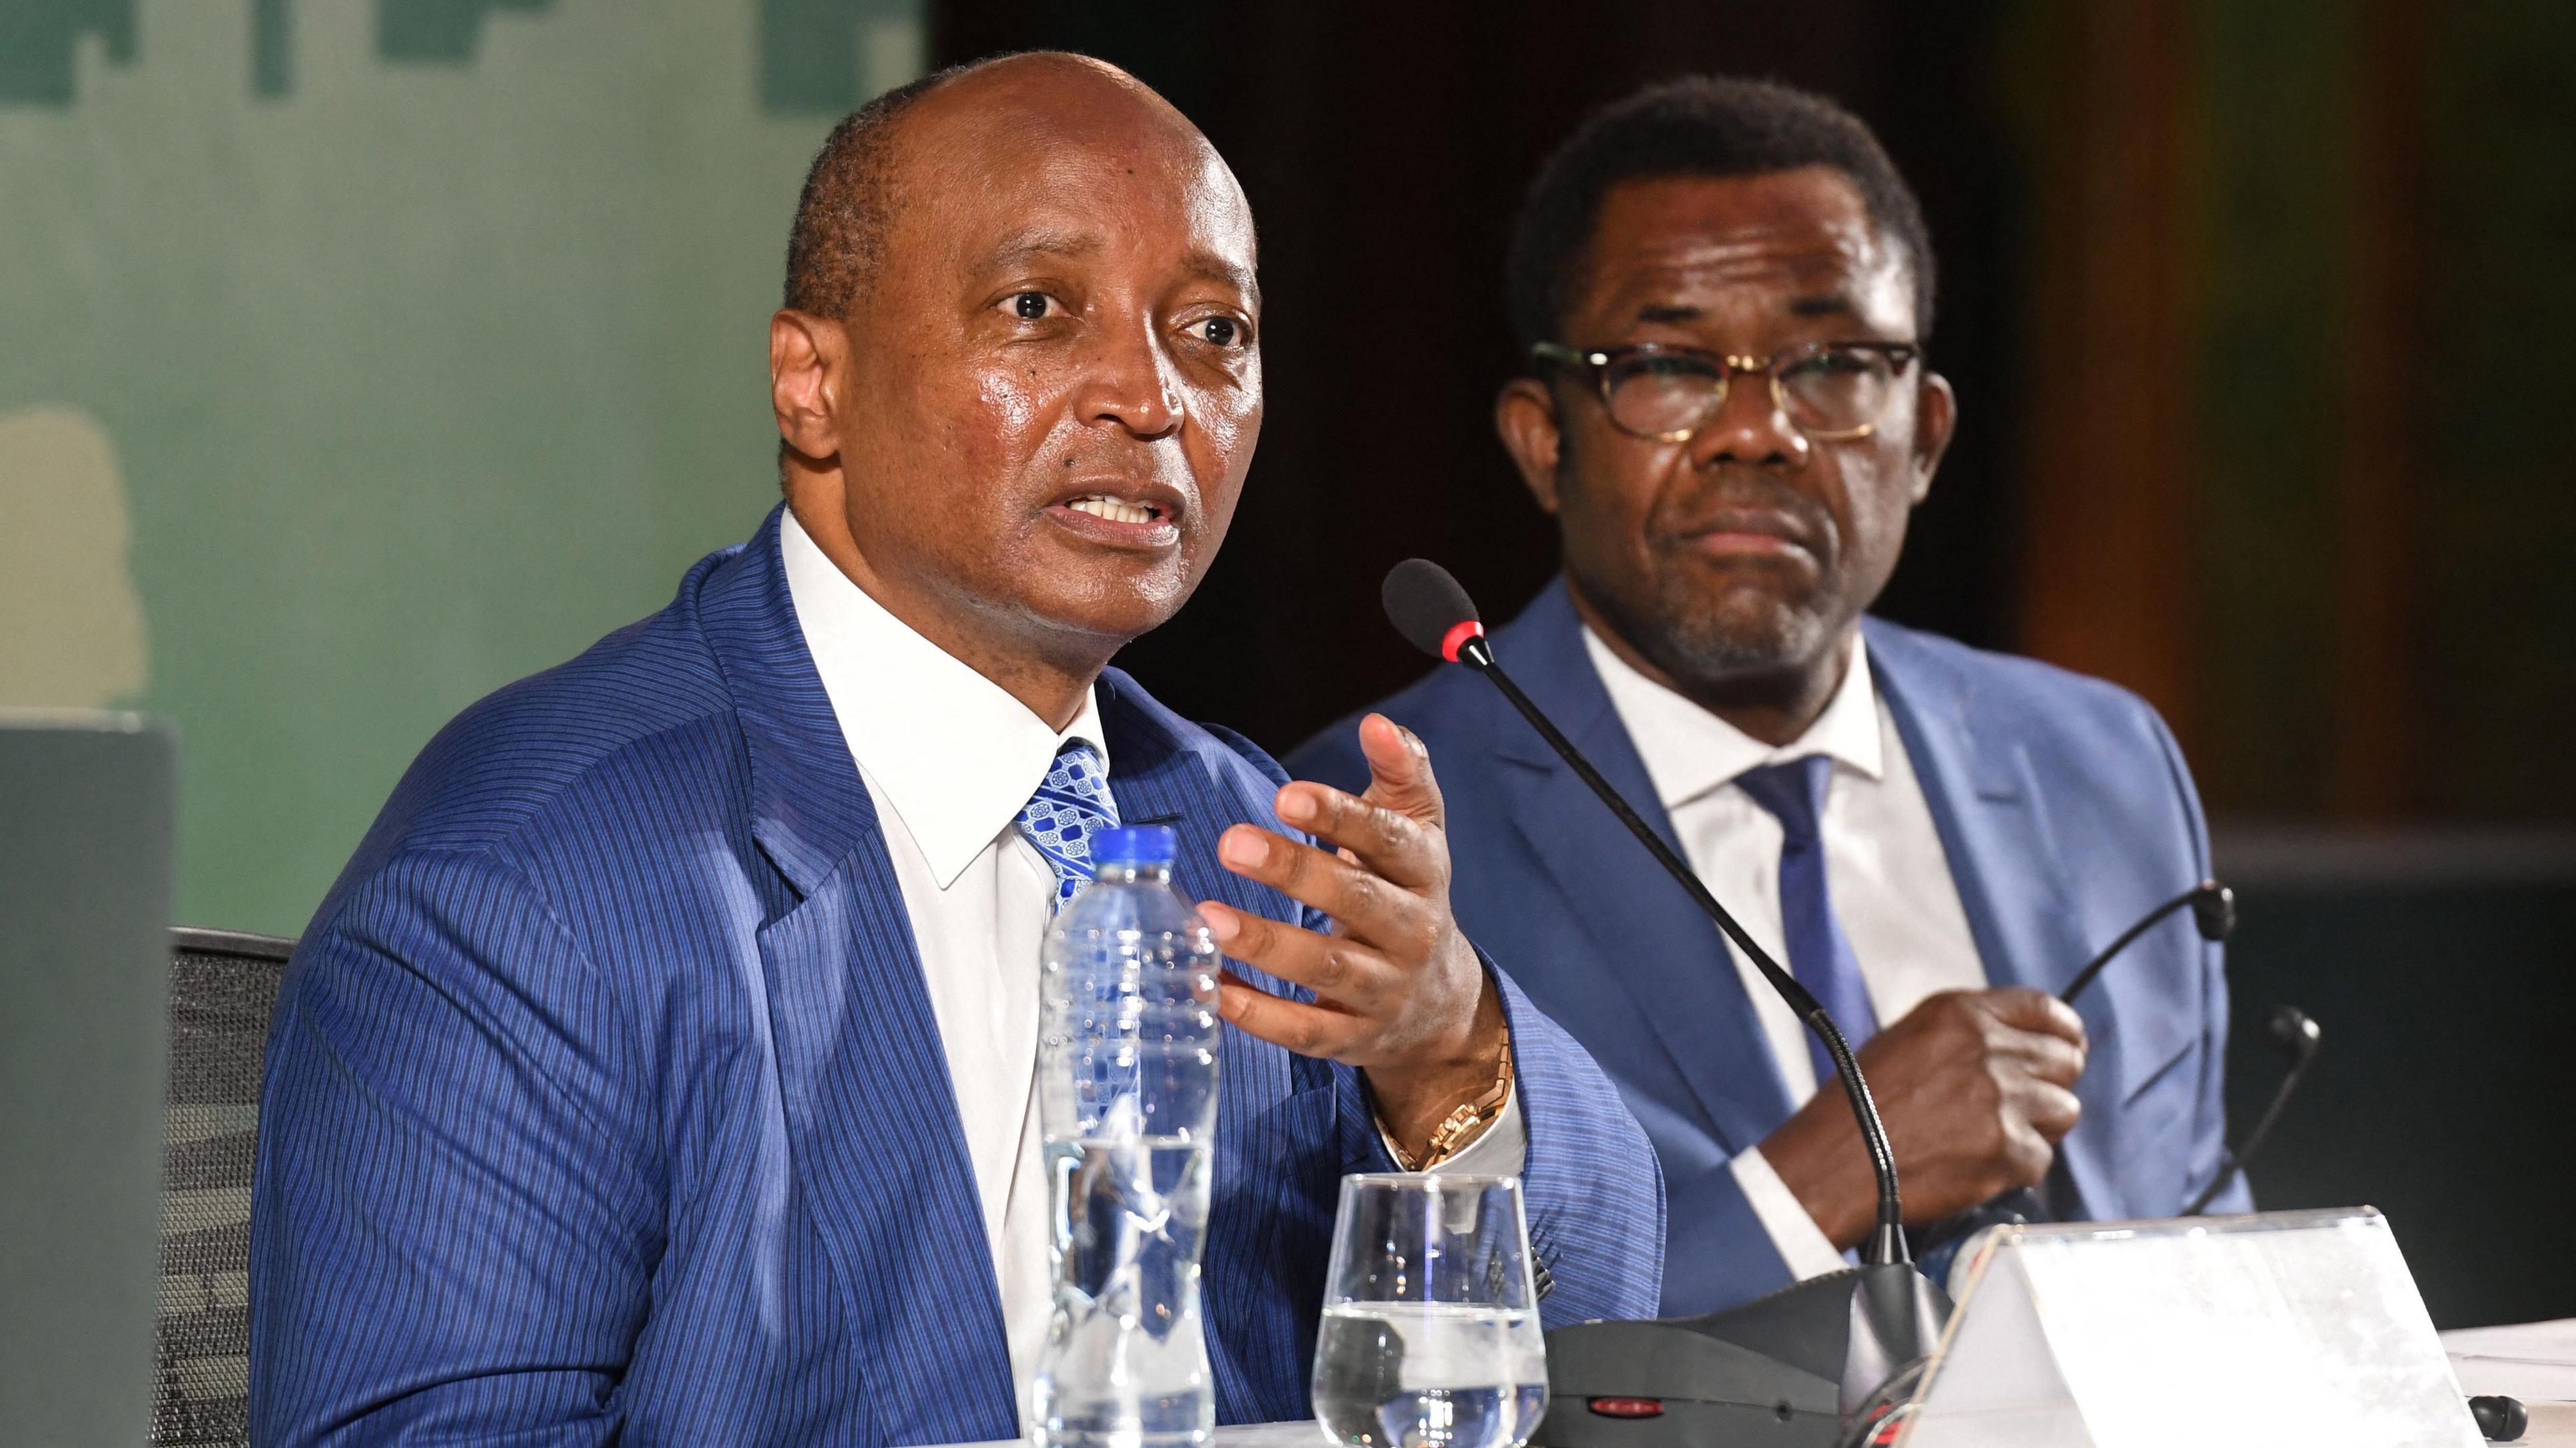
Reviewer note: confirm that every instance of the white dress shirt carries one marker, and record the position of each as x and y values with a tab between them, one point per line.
950	757
1891	884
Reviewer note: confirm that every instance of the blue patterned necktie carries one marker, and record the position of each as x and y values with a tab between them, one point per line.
1820	956
1071	806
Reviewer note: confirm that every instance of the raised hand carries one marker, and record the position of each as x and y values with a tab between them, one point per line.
1399	993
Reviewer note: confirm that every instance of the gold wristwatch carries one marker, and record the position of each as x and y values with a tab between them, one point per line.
1466	1123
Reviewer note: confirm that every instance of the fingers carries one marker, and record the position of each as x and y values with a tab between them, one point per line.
2051	1110
1304	1029
2035	1010
1340	970
1366	905
1386	840
1400	770
2053	1059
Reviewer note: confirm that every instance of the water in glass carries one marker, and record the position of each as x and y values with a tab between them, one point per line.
1430	1337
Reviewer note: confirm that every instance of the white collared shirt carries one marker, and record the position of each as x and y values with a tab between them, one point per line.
1890	878
950	757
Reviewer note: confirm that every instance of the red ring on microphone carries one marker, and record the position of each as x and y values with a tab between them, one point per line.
1457	636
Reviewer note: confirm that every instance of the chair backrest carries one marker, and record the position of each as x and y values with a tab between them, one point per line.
222	988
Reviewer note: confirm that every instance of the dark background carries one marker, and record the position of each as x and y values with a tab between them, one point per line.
1385	149
2240	304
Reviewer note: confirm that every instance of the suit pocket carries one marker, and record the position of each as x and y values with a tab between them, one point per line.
2156	1072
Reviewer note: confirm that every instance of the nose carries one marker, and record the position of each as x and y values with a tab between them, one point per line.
1749	426
1131	382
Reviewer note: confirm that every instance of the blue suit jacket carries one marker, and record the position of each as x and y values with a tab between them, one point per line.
605	1103
2065	812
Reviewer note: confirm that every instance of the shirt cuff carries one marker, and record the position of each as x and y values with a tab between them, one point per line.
1794	1235
1501	1149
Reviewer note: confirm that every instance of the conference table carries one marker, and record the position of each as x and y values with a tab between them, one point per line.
2534	1361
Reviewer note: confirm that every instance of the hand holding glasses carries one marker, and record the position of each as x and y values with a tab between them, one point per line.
1832	391
1431	1332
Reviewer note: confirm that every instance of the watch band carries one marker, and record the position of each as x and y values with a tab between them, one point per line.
1463	1125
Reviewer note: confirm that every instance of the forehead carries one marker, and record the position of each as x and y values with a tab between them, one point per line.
1782	244
984	173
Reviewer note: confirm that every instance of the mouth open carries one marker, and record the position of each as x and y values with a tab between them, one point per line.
1142	517
1117	510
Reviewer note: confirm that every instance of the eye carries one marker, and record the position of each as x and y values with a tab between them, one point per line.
1223	331
1029	306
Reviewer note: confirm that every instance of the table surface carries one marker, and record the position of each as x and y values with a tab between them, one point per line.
2533	1361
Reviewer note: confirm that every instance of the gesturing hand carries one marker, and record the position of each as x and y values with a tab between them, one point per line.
1398	991
1976	1087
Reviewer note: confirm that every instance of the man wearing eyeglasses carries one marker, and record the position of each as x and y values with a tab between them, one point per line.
1723	290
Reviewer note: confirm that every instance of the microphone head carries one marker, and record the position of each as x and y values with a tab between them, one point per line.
1428	607
2295	1031
2213	909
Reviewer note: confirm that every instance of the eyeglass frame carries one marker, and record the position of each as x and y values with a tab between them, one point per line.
1597	361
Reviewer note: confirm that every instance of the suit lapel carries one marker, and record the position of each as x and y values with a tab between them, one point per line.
1988	807
1667	958
873	1128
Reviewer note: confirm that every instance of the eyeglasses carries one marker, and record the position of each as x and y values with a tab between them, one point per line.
1832	391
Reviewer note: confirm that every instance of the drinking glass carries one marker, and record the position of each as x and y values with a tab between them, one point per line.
1430	1335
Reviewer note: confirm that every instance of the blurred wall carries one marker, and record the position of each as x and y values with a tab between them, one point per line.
2250	309
2297	471
363	355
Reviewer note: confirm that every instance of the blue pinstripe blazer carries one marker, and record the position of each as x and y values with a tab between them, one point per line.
604	1101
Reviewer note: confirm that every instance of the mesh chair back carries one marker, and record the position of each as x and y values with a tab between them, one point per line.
222	989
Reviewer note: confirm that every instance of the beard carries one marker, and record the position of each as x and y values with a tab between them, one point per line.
1705	639
1708	627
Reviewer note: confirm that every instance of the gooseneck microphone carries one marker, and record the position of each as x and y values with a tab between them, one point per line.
2213	912
2297	1036
1433	612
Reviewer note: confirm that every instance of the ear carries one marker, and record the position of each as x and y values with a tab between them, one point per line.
1936	417
806	357
1525	418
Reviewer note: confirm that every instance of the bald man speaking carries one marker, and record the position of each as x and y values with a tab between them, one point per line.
660	1069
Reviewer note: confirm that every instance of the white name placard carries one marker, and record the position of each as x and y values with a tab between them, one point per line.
2290	1327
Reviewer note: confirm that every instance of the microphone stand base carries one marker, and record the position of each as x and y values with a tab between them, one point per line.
1785	1371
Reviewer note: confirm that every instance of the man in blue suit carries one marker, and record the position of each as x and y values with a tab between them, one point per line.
1724	289
661	1068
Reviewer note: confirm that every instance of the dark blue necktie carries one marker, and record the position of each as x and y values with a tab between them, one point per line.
1819	954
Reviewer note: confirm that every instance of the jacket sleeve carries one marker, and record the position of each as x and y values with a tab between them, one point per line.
455	1209
2209	1123
1592	1186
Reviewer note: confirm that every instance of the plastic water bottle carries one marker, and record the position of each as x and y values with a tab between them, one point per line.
1127	1087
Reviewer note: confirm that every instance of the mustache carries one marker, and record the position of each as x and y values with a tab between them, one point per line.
1735	498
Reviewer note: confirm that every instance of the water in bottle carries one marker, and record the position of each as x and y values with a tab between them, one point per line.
1127	1087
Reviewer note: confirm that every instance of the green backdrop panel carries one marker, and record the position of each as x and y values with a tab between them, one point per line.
365	356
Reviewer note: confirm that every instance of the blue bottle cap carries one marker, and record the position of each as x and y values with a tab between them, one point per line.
1134	845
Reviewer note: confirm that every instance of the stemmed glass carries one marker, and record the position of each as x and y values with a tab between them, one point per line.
1431	1332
